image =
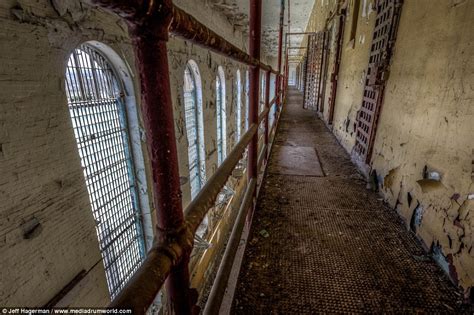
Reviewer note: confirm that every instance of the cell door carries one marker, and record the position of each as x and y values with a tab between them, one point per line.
323	71
386	25
337	63
313	70
309	71
318	69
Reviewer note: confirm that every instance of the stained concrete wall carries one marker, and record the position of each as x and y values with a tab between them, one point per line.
42	179
426	120
354	60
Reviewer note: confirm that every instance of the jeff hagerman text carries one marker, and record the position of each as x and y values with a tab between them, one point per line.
26	310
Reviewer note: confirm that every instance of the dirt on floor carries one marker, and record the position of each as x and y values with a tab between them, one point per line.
327	244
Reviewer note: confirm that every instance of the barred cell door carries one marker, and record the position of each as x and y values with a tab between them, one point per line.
314	70
309	76
318	67
383	40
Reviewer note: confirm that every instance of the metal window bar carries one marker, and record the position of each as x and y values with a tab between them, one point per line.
221	121
99	122
192	130
159	265
247	101
262	91
238	107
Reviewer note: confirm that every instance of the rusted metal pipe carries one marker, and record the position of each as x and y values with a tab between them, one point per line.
255	23
285	86
148	24
299	33
157	107
216	295
263	115
280	47
143	287
261	156
197	209
287	36
184	25
289	17
141	290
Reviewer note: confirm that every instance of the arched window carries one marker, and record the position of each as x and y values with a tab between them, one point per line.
97	109
238	105
194	127
262	91
221	116
247	100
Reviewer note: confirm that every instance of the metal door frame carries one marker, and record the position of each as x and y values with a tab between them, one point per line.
384	36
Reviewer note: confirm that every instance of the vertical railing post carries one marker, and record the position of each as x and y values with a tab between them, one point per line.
255	23
149	40
280	47
267	106
286	74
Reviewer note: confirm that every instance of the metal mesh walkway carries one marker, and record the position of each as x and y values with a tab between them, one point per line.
326	244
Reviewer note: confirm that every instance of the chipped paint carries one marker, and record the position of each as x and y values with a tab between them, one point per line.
426	119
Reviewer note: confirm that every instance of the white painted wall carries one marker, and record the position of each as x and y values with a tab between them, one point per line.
41	178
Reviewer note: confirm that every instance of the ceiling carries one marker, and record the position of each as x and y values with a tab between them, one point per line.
236	12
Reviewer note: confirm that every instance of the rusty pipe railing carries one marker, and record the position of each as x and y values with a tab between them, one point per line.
140	292
197	209
149	23
218	289
181	25
187	27
220	283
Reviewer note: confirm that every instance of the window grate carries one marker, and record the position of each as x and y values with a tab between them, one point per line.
238	107
221	120
100	127
247	100
192	130
262	91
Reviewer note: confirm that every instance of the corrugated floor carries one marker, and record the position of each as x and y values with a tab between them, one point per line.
326	244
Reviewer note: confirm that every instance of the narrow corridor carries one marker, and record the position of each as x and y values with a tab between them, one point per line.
322	242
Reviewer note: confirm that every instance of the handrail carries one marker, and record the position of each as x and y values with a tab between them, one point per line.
261	156
186	26
198	208
139	292
183	25
218	290
150	23
220	282
263	115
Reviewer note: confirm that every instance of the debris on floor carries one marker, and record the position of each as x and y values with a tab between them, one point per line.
334	248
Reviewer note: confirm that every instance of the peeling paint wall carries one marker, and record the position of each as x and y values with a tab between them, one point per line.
354	59
427	120
424	147
42	184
